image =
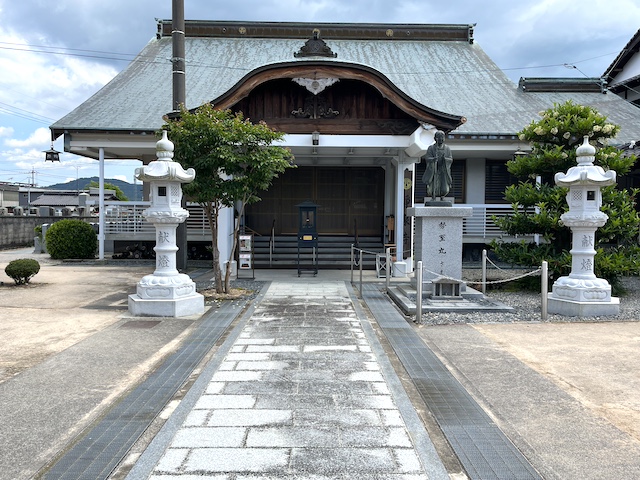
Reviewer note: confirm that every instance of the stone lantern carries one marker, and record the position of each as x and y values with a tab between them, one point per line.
582	293
166	292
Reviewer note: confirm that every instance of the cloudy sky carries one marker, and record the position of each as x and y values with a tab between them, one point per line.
54	55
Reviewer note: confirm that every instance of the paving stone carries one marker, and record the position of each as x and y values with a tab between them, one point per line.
367	376
191	477
265	365
255	341
215	387
342	460
248	356
224	418
172	460
227	366
293	437
237	376
261	388
407	460
380	387
391	418
329	348
272	348
376	437
196	418
237	460
296	402
220	402
200	437
365	401
347	418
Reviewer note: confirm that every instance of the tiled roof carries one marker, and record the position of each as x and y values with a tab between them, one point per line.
451	76
57	200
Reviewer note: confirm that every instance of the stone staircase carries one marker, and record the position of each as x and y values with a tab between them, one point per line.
334	252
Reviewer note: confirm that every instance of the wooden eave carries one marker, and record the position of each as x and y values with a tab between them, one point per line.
320	69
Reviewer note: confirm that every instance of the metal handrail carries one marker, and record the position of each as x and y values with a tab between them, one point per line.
355	232
272	242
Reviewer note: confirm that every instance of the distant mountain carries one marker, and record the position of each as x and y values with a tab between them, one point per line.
133	192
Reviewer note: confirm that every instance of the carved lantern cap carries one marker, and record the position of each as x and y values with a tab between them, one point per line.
164	148
586	173
164	168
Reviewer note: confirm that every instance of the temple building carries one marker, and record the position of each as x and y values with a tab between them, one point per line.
359	103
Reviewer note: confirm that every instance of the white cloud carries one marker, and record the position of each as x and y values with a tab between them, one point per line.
44	86
40	137
6	131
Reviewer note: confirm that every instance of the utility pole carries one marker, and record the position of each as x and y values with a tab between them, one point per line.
179	98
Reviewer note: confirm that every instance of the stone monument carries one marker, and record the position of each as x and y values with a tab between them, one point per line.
438	237
582	293
166	292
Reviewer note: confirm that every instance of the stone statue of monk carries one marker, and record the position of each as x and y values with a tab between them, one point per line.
437	175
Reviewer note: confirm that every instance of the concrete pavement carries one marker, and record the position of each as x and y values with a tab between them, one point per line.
300	390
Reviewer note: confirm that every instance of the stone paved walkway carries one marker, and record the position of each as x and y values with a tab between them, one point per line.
303	390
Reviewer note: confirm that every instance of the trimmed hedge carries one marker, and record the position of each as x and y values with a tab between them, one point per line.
71	239
22	270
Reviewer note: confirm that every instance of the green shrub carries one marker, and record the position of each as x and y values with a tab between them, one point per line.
71	239
22	270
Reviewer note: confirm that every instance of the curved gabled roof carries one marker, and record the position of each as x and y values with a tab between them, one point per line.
439	68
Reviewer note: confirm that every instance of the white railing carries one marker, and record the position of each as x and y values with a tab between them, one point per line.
127	218
480	224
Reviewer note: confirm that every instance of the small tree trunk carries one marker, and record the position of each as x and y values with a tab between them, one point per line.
211	211
234	245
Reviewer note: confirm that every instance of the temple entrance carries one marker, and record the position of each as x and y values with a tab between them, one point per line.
350	199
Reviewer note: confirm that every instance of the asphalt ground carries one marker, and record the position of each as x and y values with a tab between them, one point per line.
567	395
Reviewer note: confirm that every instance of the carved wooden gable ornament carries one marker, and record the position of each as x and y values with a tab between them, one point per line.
315	47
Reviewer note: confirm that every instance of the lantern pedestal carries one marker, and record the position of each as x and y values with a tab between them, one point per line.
166	292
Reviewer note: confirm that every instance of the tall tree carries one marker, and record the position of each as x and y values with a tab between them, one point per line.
234	160
538	203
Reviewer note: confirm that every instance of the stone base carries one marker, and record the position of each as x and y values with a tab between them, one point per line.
583	309
176	307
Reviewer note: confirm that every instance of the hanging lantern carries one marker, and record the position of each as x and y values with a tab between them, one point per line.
51	155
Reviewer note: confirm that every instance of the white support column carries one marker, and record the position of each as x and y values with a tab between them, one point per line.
399	212
101	212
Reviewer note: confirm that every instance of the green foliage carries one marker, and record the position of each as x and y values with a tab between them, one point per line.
538	207
22	270
110	186
38	231
71	239
234	160
531	255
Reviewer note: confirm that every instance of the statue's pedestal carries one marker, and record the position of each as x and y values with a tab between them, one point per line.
166	296
438	240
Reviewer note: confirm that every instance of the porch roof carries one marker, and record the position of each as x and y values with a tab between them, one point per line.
444	71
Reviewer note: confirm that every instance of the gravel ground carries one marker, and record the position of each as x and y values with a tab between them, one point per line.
527	304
